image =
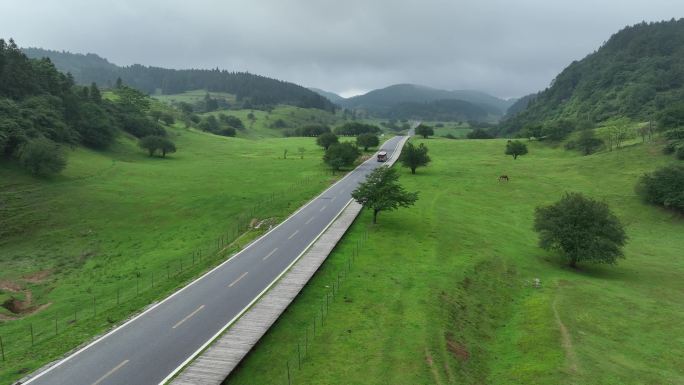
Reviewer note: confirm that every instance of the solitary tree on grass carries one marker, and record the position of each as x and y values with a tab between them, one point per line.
581	229
424	130
382	192
516	148
367	140
414	156
341	155
326	140
154	143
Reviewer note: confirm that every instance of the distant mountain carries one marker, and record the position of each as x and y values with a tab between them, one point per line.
381	101
637	73
252	91
333	97
520	105
443	110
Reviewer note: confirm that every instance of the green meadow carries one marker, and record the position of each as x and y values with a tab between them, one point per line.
443	292
118	230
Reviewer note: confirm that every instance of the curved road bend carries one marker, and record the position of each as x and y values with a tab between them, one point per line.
151	347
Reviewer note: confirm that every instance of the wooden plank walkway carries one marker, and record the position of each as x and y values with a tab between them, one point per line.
214	365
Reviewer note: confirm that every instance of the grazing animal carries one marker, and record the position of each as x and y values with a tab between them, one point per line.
504	177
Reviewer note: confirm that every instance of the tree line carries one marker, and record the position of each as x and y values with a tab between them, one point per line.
43	110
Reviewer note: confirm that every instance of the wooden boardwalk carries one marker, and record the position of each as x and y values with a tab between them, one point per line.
215	364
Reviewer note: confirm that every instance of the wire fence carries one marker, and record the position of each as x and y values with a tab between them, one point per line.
111	298
299	353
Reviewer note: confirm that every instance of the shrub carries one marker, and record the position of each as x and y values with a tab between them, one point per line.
42	157
664	187
479	133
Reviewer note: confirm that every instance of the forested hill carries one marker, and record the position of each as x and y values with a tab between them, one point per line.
251	90
444	110
637	73
381	101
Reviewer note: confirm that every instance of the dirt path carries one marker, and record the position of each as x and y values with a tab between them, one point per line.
566	340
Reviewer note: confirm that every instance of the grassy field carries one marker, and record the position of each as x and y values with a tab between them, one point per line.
442	292
119	226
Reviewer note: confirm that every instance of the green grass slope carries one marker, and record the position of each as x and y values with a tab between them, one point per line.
122	224
442	292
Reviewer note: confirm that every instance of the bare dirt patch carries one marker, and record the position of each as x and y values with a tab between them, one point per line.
37	277
457	349
430	362
23	307
10	286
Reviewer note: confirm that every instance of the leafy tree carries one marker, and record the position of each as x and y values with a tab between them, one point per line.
95	126
581	229
672	116
424	130
326	140
356	128
150	143
664	187
382	192
314	130
588	143
340	155
209	123
166	146
558	129
167	118
231	121
367	140
479	133
414	156
516	148
94	93
185	108
42	157
119	83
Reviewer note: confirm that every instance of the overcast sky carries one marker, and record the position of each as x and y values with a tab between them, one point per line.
507	48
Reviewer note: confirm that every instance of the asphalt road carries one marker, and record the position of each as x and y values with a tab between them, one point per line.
153	346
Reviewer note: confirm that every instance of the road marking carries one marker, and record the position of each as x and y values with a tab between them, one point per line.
188	317
333	199
242	276
269	254
293	234
324	207
109	373
309	221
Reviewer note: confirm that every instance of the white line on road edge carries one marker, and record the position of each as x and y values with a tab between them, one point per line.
309	221
188	317
293	234
109	373
323	208
238	279
59	363
269	254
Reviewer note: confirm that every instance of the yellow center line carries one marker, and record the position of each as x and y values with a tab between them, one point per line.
309	221
239	278
109	373
324	207
293	234
269	254
187	317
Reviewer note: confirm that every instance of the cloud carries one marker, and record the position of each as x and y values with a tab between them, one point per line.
503	47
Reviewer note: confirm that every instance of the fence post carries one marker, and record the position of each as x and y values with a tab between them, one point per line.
55	325
299	356
289	382
2	349
137	284
153	279
31	326
118	290
306	342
